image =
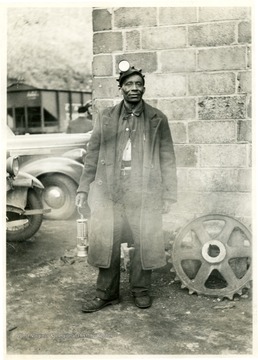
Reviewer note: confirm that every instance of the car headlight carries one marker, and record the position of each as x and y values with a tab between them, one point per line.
12	165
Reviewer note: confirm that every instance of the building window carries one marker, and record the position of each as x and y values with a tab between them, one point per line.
34	118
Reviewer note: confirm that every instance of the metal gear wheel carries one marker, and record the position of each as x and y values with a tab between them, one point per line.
212	256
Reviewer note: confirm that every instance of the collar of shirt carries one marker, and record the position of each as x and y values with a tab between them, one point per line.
137	110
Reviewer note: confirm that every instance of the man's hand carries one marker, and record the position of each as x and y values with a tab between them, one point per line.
81	200
167	205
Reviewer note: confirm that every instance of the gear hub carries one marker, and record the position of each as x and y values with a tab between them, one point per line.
212	256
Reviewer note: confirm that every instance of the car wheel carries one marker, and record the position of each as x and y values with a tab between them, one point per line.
58	195
23	227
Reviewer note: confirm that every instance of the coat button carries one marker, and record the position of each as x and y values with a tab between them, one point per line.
99	182
102	162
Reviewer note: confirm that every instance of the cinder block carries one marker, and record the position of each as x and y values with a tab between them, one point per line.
209	180
147	61
164	38
107	42
102	20
177	15
213	34
182	179
245	82
244	32
208	13
179	109
236	204
186	155
178	132
102	65
244	131
225	58
100	105
126	17
207	84
249	107
223	156
211	132
105	88
132	40
244	181
249	57
153	102
178	60
161	85
223	107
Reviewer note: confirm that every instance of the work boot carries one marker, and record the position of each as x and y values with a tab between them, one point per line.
97	304
142	301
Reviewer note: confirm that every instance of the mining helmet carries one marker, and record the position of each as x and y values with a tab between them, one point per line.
126	70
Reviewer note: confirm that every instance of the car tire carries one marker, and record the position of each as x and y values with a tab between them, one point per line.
59	195
34	221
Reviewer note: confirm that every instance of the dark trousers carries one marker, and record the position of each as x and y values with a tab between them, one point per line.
127	216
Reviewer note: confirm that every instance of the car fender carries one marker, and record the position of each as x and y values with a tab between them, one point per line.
61	165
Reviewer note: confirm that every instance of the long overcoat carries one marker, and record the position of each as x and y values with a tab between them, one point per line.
159	183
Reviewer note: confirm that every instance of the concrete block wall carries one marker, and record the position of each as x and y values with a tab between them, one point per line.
197	62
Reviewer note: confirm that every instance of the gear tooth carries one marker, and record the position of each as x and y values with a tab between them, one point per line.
177	278
229	296
191	292
172	270
239	292
248	286
170	261
183	286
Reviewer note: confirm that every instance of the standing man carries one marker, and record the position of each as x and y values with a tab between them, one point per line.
128	181
83	123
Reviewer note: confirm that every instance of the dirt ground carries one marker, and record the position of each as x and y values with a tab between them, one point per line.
47	282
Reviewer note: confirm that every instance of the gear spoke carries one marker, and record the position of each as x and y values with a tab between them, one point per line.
202	275
200	232
239	252
193	254
228	274
226	231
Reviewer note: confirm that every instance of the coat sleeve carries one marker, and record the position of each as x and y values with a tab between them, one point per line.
91	158
167	162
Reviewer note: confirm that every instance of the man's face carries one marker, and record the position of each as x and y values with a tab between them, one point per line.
133	89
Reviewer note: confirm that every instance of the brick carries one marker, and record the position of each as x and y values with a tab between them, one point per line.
126	17
178	109
206	84
102	65
223	13
145	61
186	155
178	131
223	156
244	131
107	42
164	38
105	88
177	15
211	34
132	40
226	58
209	180
215	132
159	85
178	60
244	32
231	204
223	107
102	19
245	82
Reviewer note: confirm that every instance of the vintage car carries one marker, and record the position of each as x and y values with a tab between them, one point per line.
57	161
